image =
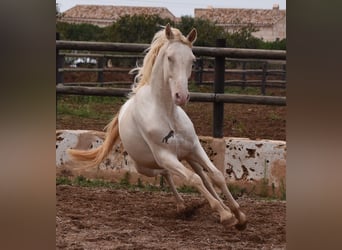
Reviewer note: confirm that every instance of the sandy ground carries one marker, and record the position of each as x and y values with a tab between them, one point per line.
100	218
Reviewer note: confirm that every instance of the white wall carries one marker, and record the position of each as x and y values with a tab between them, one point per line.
241	160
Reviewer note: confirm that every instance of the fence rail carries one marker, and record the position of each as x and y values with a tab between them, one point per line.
110	50
218	98
194	96
203	51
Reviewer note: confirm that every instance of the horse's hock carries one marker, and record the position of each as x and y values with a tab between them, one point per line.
252	165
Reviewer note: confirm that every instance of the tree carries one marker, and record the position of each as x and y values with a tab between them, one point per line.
80	32
207	31
242	38
135	29
277	44
141	29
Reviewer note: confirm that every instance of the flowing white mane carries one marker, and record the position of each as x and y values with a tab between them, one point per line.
159	40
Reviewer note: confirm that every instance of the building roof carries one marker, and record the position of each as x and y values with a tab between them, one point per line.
227	16
112	13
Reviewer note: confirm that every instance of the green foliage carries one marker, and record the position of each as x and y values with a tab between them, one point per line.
282	190
135	29
141	29
140	183
276	45
243	38
273	116
84	182
241	91
84	111
63	181
264	188
207	31
152	188
125	181
86	106
187	189
236	190
80	32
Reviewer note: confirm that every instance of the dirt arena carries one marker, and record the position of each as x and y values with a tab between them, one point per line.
100	218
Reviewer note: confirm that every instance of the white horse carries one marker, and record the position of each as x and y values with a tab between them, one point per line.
157	133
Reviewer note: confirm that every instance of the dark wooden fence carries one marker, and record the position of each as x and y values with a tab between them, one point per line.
220	53
263	73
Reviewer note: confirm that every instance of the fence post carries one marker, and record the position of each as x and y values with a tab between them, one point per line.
198	71
219	88
100	66
59	64
284	75
264	78
243	75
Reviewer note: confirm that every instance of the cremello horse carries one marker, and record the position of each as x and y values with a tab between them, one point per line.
157	133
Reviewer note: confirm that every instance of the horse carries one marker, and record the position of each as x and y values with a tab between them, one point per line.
157	133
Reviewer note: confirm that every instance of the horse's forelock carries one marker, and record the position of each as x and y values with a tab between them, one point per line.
158	41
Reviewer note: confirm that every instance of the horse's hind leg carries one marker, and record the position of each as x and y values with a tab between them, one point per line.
208	184
200	157
152	172
172	164
179	199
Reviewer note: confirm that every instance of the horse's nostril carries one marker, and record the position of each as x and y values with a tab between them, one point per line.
177	96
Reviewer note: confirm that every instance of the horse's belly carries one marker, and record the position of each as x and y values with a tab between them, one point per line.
138	150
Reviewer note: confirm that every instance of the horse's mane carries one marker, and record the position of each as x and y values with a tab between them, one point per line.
144	72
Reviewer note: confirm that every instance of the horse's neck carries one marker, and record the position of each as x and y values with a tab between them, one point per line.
161	92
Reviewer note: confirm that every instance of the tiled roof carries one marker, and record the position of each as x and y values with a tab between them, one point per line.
107	12
227	16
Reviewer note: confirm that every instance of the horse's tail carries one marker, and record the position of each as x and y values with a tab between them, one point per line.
97	155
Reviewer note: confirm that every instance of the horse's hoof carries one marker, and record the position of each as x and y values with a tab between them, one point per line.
181	208
229	222
242	226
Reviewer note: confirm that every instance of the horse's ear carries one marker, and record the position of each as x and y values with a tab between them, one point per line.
168	32
192	36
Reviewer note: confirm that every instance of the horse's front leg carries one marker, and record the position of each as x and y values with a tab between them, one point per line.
200	157
169	161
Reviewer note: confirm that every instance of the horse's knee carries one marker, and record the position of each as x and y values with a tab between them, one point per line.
217	178
195	180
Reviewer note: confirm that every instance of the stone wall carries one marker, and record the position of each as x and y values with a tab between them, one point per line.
244	162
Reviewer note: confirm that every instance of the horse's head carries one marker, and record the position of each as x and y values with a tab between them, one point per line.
178	62
170	52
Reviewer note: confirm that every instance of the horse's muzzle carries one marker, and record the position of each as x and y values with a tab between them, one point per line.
181	99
